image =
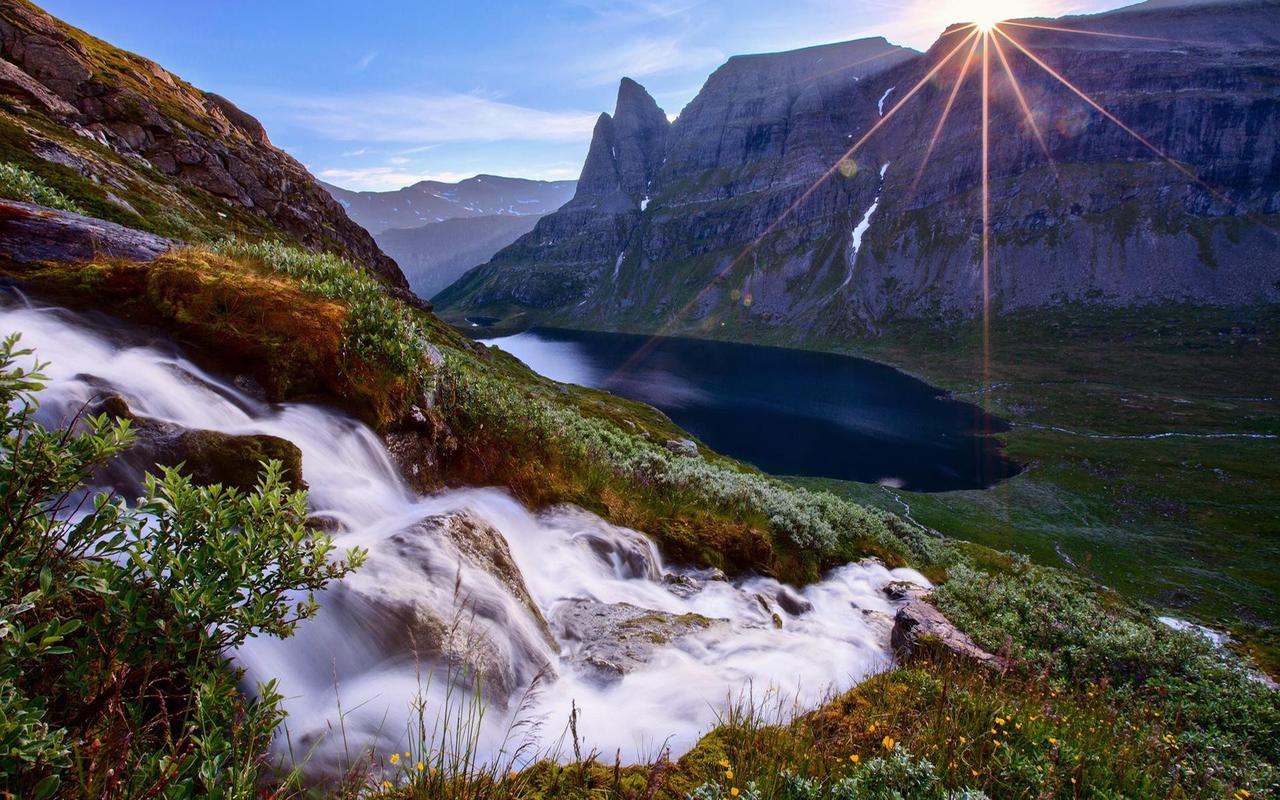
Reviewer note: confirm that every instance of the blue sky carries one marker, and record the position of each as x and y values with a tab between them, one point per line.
382	93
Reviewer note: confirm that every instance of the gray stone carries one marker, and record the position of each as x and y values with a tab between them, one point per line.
683	447
619	638
31	233
919	627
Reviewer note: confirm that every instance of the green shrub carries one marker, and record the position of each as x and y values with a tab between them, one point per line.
17	183
114	620
1088	640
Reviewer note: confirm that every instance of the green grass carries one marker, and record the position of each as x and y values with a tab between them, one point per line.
17	183
1191	525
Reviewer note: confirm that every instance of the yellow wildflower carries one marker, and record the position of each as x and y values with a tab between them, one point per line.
728	774
419	766
386	784
887	742
733	792
1052	740
999	720
724	762
395	758
973	772
963	740
855	758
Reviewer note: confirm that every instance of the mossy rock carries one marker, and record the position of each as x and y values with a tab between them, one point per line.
211	457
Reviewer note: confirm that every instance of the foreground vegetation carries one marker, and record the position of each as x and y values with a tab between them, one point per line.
114	619
1101	700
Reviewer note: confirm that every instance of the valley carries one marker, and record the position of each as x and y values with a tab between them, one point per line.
774	459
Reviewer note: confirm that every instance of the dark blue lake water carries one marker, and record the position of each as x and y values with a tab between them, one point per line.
788	412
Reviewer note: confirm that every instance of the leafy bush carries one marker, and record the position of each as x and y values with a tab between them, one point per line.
113	620
17	183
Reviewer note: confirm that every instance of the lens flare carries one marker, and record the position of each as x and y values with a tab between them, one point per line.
991	23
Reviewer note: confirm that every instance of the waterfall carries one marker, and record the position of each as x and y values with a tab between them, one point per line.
432	595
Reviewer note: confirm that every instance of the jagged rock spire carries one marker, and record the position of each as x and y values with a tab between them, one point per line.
626	151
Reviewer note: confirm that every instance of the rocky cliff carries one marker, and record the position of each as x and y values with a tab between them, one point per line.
137	145
747	229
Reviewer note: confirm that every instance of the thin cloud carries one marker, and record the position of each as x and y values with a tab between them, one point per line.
382	178
424	120
642	58
363	63
632	11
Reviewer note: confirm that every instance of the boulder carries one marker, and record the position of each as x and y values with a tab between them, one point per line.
448	594
30	234
618	638
483	547
207	457
683	447
918	627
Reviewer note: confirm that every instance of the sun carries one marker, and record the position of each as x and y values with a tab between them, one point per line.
986	14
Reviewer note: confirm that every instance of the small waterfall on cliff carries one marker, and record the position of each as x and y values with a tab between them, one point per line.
583	610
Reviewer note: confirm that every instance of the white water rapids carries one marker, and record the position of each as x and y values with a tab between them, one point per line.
358	650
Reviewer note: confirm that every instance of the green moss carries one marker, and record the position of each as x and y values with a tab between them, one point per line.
211	457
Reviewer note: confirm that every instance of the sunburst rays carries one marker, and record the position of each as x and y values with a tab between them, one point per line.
982	40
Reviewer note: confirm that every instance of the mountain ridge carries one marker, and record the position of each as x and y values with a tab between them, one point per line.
153	151
734	239
431	201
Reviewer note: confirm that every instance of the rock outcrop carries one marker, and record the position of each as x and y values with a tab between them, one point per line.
123	122
449	592
31	234
919	628
757	223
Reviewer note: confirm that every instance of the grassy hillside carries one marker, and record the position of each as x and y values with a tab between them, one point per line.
1085	660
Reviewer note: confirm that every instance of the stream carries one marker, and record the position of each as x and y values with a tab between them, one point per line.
469	599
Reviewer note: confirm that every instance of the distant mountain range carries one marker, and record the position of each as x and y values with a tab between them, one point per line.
498	211
730	221
434	256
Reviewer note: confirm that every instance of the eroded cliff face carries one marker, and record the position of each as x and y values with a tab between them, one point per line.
747	228
123	121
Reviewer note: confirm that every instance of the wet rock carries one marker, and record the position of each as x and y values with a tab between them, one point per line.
618	638
901	591
683	447
683	586
418	458
480	545
207	457
790	602
918	627
448	592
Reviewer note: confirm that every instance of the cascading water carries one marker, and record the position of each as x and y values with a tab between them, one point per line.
585	611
